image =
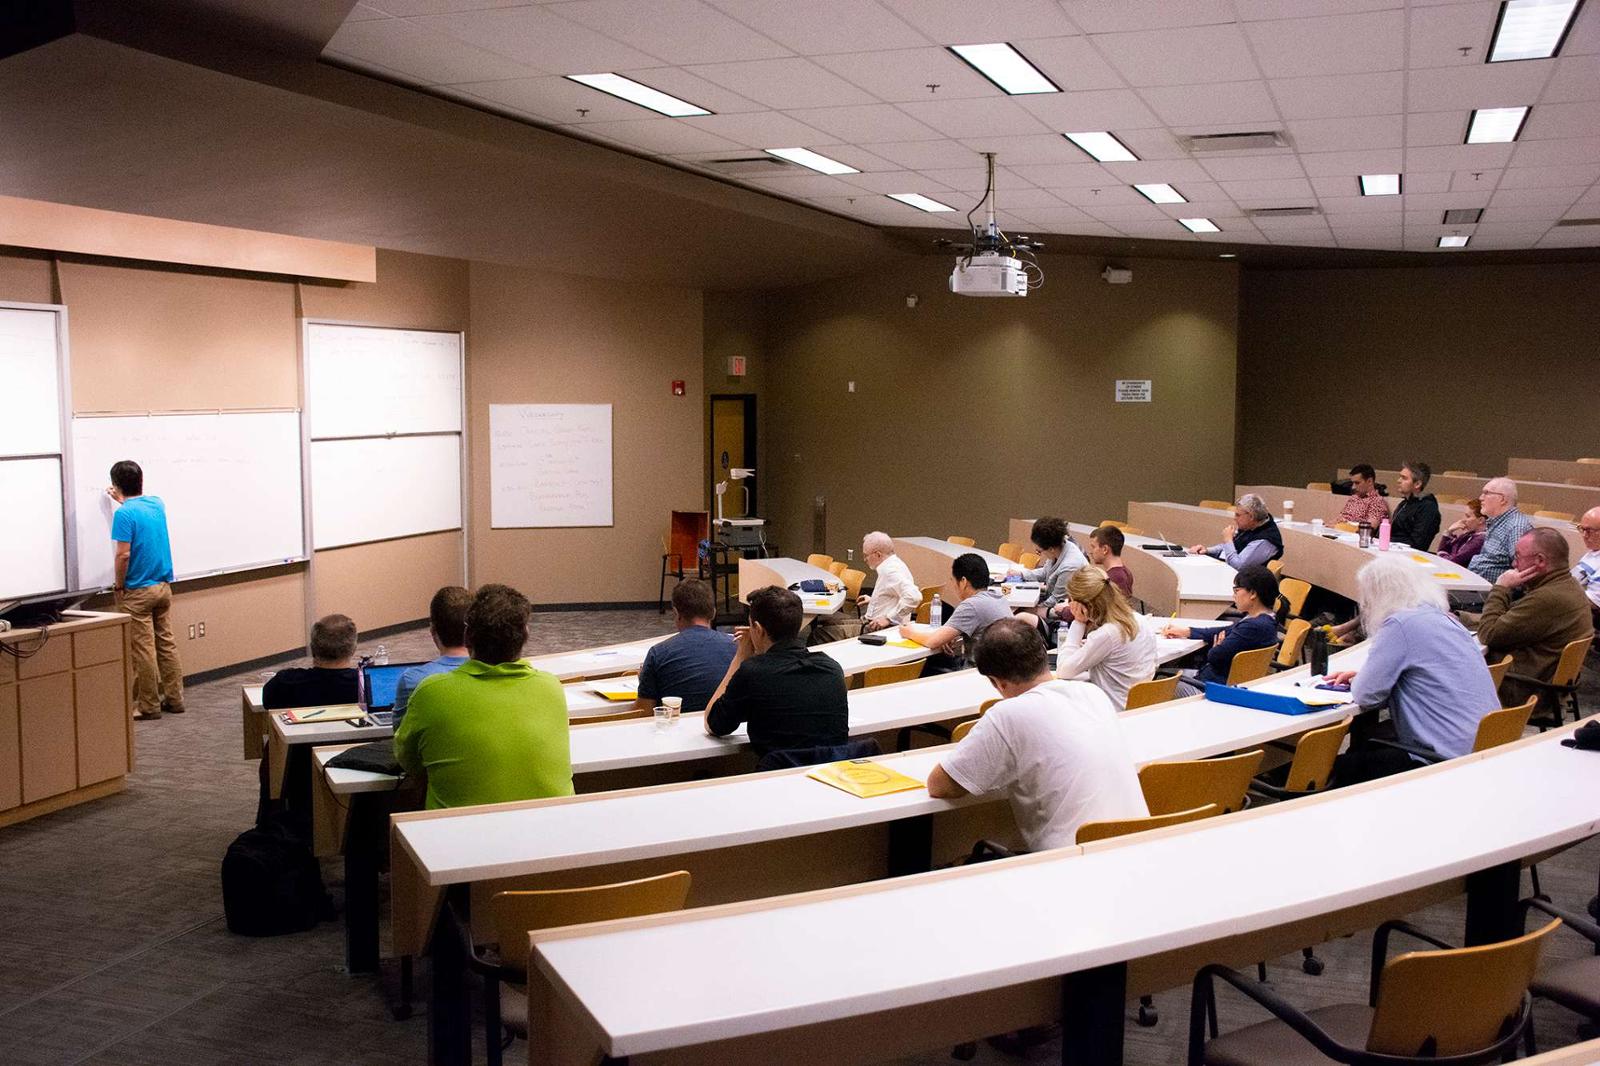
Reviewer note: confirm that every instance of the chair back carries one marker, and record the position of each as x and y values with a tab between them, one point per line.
1498	671
516	914
685	531
615	716
1530	508
820	561
1313	758
1503	726
1249	665
924	608
1571	661
1216	505
1133	531
959	733
1561	516
1009	550
1029	560
1590	460
965	542
1183	786
1089	832
1319	486
1293	592
837	567
1449	497
1156	690
1114	522
1460	473
1294	642
890	675
852	582
1452	1002
1276	566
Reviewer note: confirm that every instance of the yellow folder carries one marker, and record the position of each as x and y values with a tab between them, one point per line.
864	778
902	643
339	712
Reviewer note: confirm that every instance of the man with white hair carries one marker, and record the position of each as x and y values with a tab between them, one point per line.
1252	540
1505	526
1587	572
894	600
1423	664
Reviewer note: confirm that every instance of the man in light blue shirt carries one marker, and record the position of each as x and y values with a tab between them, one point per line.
142	588
447	625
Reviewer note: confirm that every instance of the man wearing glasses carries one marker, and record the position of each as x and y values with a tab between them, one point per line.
1587	572
1506	525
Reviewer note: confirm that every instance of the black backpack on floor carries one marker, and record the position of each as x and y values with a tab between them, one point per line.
271	883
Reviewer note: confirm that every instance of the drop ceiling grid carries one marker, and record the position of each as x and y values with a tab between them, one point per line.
1342	76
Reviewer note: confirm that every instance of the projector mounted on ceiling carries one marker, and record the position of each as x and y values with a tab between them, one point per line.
994	264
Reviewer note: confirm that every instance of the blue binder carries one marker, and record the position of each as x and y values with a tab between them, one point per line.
1261	701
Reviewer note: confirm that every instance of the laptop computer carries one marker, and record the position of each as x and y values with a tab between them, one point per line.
378	685
1174	551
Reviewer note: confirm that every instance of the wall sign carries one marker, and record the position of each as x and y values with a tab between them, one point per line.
1133	391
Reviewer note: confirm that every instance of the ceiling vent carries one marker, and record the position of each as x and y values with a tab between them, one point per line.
1282	212
1579	222
1463	216
1233	142
748	166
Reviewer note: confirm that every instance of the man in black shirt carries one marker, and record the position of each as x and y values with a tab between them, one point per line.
791	697
330	679
1416	520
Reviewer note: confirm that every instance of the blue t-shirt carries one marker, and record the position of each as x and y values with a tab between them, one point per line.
142	524
410	679
690	665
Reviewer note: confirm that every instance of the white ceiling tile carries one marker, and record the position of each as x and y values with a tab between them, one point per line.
1346	134
1206	198
866	122
1084	175
1584	37
1070	62
1250	167
666	136
677	31
998	116
538	38
1436	35
1570	237
1358	205
1459	157
972	180
1120	213
923	155
1546	213
1549	177
784	84
1113	16
1475	181
422	54
1519	238
1033	148
1549	121
1065	223
760	129
1427	182
868	207
889	181
851	155
555	99
803	184
1562	198
1029	199
1466	197
1351	164
1180	57
1105	109
1436	127
1151	143
1339	96
904	75
819	27
1270	224
1334	184
1576	78
696	90
1376	240
1060	214
1104	196
1556	153
1258	10
1335	44
1171	171
1590	197
1478	85
1248	192
411	8
363	13
964	22
1217	104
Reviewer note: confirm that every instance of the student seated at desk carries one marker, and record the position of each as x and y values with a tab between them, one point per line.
1252	540
1587	572
447	625
894	600
1059	558
1105	640
1364	504
1423	664
1105	551
789	697
494	729
1255	594
331	677
1463	541
1052	747
1416	519
1535	609
978	606
690	664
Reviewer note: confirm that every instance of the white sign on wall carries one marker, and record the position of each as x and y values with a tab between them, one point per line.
1133	391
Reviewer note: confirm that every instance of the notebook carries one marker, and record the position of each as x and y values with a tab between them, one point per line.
338	712
863	778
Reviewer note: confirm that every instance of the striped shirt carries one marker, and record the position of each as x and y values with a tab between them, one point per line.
1500	538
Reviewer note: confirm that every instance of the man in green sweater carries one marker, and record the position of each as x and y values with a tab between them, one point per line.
494	729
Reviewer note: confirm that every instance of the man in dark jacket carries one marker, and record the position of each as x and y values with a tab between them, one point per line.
1416	520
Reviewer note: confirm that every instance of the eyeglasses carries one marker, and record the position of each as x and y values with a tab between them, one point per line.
1491	492
1589	531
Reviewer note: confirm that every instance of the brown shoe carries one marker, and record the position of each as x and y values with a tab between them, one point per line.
146	716
172	708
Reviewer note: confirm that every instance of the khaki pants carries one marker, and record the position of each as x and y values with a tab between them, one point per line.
157	676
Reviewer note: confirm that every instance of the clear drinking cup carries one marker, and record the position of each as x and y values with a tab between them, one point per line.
674	706
663	715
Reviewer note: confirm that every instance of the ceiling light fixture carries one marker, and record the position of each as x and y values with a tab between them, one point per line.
1006	67
1453	242
638	93
1380	185
1199	225
1496	125
1102	146
807	158
1161	193
920	202
1531	29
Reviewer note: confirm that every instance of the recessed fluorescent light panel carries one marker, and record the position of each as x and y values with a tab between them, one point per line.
1199	225
1380	185
1496	125
1004	65
920	202
1161	194
1453	242
637	93
1531	29
1102	146
807	158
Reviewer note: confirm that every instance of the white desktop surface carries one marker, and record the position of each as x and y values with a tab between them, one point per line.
999	565
1200	577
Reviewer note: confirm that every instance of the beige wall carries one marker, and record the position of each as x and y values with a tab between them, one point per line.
1458	366
968	411
549	338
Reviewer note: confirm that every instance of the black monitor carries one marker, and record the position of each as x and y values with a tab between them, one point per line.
30	612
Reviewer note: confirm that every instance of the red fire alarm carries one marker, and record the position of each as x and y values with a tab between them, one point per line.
678	388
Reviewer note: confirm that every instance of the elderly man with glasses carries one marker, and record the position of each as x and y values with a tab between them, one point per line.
1252	540
1587	572
1505	527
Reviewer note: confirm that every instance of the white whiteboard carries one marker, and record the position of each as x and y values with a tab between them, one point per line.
376	488
30	397
368	381
231	483
33	560
549	465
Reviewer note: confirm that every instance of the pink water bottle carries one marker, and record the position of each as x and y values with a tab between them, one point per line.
1383	535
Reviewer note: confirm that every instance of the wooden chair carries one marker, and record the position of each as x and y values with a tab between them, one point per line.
1449	497
1311	767
1562	684
1183	786
1217	505
1276	566
853	580
959	733
1250	665
1464	1005
1292	645
1011	551
820	561
680	549
1589	460
923	608
939	732
1503	726
1460	473
1319	486
892	675
1114	522
516	914
1029	560
837	567
1133	531
1560	516
1498	671
1528	507
965	542
1573	983
1292	594
1156	690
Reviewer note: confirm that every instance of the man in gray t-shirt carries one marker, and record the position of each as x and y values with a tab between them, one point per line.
955	641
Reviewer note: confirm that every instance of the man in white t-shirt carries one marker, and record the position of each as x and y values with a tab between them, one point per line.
894	600
1052	747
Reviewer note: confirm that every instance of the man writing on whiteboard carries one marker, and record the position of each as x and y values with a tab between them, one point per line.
143	590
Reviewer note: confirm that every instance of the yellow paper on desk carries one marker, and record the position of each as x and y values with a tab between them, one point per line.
864	778
339	712
616	688
823	603
901	643
1444	575
1322	699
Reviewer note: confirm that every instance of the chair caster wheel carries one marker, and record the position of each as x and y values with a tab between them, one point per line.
1148	1016
1312	965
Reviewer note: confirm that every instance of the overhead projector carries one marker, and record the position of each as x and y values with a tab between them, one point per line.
993	263
989	274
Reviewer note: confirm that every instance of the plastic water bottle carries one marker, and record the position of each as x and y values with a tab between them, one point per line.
935	611
1383	535
381	656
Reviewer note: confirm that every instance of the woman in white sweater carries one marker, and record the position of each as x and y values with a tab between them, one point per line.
1105	639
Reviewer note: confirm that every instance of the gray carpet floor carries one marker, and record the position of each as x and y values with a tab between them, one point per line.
113	947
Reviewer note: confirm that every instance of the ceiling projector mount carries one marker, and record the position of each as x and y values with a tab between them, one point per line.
993	264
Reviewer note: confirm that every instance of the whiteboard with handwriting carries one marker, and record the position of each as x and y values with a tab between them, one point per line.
549	465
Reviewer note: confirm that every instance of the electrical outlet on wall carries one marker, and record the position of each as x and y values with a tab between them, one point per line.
191	630
202	627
